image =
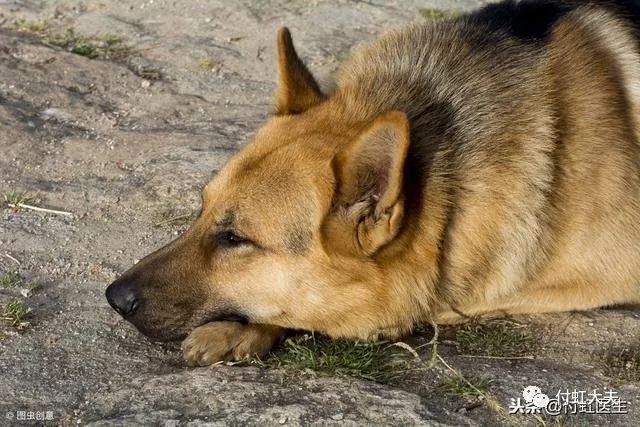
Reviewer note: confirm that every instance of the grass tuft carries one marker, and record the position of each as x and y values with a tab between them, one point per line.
105	46
493	339
309	354
23	25
15	312
464	387
15	198
437	14
622	363
10	280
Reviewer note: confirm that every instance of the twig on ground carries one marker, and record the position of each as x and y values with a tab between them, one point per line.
407	347
172	219
11	258
496	357
488	399
38	209
434	349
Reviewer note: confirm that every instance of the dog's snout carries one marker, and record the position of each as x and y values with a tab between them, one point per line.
123	297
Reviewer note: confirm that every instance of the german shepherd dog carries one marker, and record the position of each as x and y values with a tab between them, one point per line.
483	165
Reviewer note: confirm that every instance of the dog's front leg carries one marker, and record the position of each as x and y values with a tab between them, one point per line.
229	341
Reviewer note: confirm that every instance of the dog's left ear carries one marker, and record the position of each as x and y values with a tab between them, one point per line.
370	176
297	89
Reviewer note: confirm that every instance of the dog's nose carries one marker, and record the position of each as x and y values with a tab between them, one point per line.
123	297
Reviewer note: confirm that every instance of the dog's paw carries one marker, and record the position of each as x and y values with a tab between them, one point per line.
228	341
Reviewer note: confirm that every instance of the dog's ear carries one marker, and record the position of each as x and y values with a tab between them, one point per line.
297	89
370	176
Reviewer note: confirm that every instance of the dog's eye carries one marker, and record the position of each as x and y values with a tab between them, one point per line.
229	239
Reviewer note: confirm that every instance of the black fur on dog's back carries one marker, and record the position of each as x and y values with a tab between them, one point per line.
532	20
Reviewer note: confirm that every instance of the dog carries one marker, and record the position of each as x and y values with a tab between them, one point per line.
478	166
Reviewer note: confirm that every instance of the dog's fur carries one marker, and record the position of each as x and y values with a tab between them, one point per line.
478	166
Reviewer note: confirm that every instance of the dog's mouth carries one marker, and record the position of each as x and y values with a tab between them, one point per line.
231	316
164	335
176	332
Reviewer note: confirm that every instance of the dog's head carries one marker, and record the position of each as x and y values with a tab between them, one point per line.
291	230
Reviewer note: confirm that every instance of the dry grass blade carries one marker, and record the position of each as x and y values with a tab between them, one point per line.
39	209
407	347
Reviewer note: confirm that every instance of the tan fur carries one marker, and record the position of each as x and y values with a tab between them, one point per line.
519	193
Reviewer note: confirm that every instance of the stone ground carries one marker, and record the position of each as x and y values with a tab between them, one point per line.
125	145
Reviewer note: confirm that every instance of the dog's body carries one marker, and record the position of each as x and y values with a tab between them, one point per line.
482	165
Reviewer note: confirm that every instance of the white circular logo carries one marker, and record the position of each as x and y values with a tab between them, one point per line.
529	392
540	400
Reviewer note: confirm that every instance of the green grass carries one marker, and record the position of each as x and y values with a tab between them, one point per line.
438	13
10	280
105	46
23	25
622	362
494	340
13	280
15	312
312	355
474	386
15	198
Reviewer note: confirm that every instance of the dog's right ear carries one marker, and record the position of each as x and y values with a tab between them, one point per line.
297	89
